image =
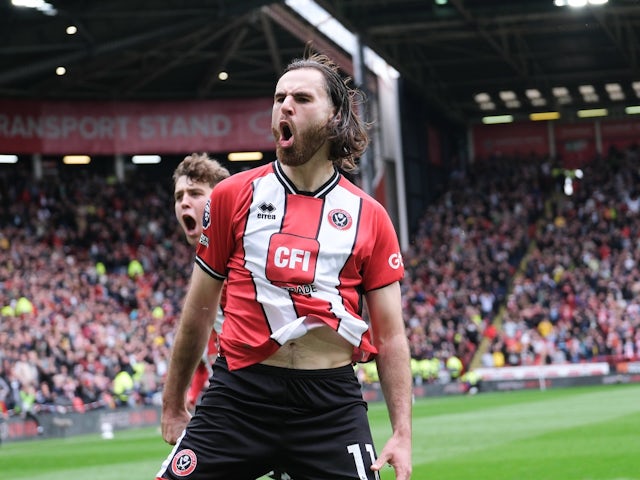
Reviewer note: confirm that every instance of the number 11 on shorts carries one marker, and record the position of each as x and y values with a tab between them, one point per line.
356	451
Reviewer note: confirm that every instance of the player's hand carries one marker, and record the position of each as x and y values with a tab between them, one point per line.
397	453
173	424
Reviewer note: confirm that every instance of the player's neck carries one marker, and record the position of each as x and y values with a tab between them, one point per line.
310	176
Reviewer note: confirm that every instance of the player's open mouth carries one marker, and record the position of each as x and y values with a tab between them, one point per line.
286	135
189	222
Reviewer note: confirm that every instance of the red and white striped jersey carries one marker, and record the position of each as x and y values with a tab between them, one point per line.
294	261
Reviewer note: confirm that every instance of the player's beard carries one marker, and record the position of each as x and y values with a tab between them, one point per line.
306	144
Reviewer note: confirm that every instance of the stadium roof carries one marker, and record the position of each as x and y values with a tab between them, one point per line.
463	56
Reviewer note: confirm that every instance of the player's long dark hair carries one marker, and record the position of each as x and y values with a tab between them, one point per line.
347	132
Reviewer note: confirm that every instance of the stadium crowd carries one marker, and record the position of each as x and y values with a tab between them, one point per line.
93	273
467	248
577	298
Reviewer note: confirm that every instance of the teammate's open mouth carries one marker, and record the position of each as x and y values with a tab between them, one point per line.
189	221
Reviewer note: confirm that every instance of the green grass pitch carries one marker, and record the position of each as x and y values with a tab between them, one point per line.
585	433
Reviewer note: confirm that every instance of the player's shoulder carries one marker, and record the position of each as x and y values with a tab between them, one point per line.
367	200
239	181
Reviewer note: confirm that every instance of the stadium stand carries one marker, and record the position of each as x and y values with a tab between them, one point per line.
576	299
467	249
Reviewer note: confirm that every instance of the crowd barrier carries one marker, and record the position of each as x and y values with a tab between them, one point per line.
107	421
557	376
56	425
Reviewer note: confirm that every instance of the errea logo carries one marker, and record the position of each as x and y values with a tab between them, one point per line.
266	211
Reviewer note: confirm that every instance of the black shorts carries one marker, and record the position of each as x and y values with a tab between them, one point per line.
311	424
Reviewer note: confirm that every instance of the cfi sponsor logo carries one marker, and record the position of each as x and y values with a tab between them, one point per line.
184	463
204	240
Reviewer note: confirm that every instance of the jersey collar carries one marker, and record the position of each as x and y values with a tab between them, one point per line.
291	188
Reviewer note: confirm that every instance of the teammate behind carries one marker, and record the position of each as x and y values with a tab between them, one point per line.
193	180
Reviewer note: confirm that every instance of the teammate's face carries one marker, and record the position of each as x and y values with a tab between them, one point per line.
190	199
301	110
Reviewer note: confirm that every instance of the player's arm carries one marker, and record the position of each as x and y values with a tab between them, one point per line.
193	332
393	362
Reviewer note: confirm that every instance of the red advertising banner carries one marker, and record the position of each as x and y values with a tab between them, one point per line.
512	139
619	134
576	144
105	128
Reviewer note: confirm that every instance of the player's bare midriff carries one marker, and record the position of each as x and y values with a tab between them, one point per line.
318	349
